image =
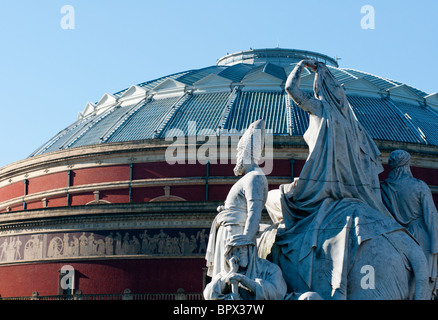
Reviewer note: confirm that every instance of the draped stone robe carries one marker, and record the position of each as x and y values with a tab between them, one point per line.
269	282
241	215
410	202
343	160
335	204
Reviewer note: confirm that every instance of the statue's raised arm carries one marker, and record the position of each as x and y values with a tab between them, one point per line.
305	100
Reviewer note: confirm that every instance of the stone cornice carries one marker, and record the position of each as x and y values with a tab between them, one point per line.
70	157
112	212
284	147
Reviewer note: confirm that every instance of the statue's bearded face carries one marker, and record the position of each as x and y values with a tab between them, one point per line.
241	254
244	157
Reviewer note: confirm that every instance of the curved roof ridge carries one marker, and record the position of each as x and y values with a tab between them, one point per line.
373	75
348	73
395	83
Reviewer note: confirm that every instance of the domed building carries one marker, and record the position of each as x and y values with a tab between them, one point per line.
121	201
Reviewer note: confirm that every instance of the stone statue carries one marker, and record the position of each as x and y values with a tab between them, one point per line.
343	160
241	212
410	201
331	223
246	276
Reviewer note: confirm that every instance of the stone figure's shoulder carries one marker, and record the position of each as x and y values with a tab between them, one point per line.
255	186
414	183
421	185
268	265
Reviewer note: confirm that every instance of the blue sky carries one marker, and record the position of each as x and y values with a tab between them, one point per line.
48	74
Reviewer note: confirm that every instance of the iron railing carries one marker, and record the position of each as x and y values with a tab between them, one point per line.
126	295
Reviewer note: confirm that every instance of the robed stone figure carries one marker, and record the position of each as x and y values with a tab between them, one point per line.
242	210
331	218
245	276
343	160
410	202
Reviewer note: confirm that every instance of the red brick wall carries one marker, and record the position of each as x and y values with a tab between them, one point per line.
48	182
281	168
11	191
100	174
105	276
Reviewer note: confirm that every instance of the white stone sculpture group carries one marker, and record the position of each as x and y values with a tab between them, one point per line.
331	227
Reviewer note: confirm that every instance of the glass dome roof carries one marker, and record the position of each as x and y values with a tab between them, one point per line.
241	88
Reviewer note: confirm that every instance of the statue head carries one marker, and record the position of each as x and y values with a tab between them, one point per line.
237	247
250	146
327	88
399	161
399	158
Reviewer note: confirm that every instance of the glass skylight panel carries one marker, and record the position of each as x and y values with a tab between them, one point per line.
202	110
236	72
196	75
92	136
253	106
423	119
144	122
380	120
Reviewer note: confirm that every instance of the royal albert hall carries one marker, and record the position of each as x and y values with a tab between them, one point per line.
124	197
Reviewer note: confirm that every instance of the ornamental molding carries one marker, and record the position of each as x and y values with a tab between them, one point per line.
141	183
111	232
119	212
108	154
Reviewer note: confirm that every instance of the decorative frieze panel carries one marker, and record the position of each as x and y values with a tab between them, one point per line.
118	243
